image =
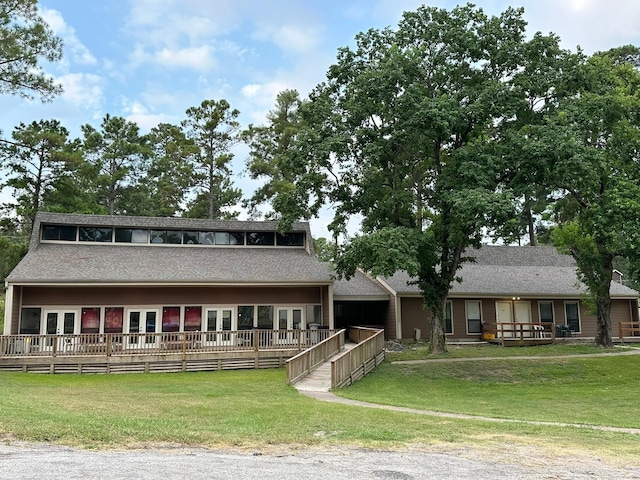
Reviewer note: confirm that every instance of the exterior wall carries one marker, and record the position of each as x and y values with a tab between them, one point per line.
390	329
413	316
124	296
157	297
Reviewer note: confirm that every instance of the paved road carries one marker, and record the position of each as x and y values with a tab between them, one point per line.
22	461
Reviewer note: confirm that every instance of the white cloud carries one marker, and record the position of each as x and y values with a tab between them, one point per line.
79	52
139	114
290	38
82	89
197	58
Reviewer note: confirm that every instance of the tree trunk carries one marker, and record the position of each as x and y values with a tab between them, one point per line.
437	338
603	310
530	226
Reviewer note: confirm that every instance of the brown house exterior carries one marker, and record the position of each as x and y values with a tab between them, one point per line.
111	274
509	284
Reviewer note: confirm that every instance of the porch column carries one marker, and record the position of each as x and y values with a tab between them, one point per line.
330	305
8	309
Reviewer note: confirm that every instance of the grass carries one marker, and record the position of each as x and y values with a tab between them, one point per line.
420	351
256	409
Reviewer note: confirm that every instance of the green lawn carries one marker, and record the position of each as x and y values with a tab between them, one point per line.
255	409
598	391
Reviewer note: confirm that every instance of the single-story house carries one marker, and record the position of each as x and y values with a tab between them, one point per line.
507	284
112	274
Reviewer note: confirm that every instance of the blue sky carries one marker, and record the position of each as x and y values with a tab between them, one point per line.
149	60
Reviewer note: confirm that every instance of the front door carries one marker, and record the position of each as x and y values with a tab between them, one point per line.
59	322
219	323
144	322
522	313
289	322
504	314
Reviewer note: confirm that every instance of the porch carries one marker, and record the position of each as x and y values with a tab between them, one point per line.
155	352
518	334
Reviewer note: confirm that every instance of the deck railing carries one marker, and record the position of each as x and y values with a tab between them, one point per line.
628	329
110	344
305	362
518	331
360	360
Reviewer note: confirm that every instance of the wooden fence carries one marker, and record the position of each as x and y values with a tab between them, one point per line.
628	329
305	362
354	364
112	344
521	333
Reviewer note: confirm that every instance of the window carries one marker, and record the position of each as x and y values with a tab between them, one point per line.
59	232
113	319
90	320
448	323
265	317
166	236
132	235
572	315
30	321
96	234
546	312
292	239
171	319
474	316
245	318
261	238
192	319
314	314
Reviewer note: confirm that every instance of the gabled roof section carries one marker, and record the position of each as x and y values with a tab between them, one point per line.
359	287
506	271
73	263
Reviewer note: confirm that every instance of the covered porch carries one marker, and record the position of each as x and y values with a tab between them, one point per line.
517	334
155	352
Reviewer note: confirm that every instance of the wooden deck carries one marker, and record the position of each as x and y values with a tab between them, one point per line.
154	352
516	334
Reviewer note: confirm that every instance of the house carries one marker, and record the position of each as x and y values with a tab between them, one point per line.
93	274
111	274
507	284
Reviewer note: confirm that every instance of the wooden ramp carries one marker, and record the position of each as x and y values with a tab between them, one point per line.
319	380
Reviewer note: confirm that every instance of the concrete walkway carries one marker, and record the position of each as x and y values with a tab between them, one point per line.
317	385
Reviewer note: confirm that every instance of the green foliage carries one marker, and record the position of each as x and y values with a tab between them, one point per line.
213	128
401	135
324	249
269	157
11	252
114	157
35	160
25	41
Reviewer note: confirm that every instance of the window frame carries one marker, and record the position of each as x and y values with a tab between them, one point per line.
467	319
566	319
448	303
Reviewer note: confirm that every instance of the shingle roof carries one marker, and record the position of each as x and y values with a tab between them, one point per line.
359	286
514	271
70	263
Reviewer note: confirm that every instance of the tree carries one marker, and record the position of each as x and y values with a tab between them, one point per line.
25	40
269	147
115	156
169	173
34	159
590	149
214	129
403	133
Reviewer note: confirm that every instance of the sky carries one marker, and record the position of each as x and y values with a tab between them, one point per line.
150	60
